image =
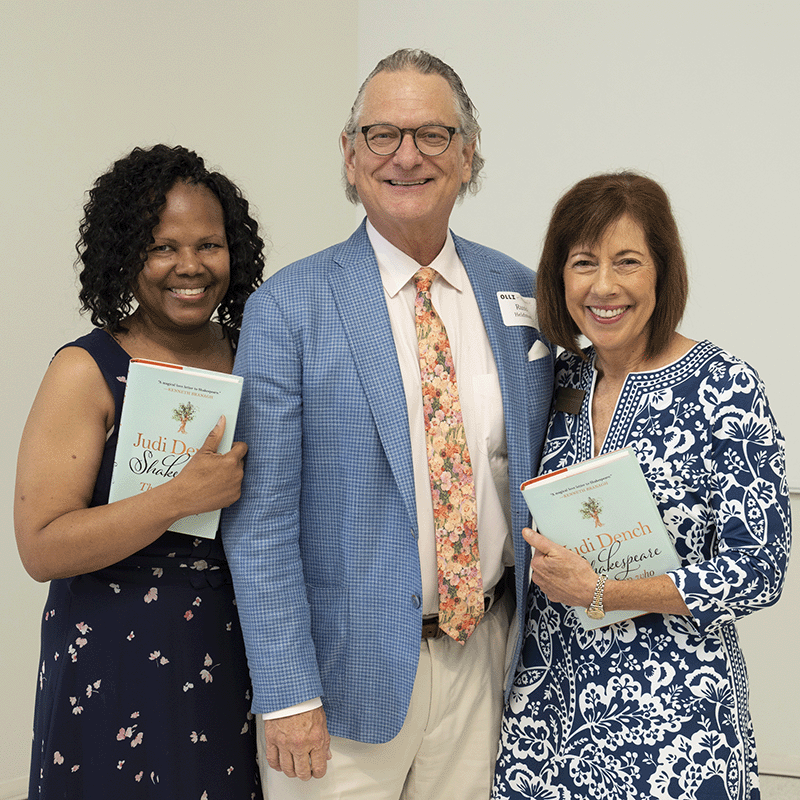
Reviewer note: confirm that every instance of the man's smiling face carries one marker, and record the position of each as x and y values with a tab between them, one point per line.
408	195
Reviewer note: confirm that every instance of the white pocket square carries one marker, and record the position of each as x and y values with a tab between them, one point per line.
539	350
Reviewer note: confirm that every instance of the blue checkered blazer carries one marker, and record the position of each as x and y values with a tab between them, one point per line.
323	542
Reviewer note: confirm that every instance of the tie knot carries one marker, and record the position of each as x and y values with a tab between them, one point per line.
423	278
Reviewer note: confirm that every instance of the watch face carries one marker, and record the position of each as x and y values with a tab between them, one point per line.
595	613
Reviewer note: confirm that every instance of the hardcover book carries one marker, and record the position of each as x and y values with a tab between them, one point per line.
167	413
603	510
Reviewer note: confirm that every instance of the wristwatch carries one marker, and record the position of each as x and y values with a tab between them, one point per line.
596	610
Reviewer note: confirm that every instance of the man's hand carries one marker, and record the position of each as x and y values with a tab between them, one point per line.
299	746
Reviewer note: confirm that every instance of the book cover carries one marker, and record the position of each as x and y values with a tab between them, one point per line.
603	510
167	413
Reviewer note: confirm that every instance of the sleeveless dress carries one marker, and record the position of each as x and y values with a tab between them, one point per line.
143	689
657	706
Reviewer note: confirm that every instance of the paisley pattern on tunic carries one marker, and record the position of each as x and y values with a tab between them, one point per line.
657	706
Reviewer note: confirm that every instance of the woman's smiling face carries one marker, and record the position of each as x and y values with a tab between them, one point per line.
610	290
187	272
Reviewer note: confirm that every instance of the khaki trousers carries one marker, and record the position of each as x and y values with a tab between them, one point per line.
447	746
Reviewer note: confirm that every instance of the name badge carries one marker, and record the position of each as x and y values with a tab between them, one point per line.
517	310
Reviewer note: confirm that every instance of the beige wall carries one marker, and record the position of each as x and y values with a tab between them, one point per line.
259	88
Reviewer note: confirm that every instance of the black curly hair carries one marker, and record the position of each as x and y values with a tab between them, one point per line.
117	227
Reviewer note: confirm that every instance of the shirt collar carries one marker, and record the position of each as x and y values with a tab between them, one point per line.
397	268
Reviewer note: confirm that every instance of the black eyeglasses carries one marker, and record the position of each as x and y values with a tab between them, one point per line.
430	140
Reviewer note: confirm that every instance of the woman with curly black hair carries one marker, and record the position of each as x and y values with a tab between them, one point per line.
143	690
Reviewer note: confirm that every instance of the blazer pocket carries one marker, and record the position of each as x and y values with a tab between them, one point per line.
329	627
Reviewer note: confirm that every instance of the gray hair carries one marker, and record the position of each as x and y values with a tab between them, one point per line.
426	64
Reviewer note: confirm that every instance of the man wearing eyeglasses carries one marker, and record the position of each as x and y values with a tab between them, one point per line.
396	394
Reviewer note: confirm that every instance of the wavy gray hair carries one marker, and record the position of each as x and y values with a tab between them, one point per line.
426	64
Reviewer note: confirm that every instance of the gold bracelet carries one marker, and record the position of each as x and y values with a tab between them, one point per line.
596	610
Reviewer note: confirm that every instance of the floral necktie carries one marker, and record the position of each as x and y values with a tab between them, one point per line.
461	602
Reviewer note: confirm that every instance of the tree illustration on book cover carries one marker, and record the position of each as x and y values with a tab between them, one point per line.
183	413
592	508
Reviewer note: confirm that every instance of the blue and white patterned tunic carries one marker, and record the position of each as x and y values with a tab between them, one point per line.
657	707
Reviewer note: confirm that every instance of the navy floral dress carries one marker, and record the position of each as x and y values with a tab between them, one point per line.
657	707
143	689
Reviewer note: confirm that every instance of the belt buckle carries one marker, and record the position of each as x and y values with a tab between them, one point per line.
431	629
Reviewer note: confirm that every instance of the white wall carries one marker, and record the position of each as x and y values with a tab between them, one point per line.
702	96
260	88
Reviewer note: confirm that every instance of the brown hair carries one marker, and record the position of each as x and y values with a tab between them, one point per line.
581	216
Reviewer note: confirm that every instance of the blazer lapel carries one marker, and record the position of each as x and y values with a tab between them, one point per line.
358	293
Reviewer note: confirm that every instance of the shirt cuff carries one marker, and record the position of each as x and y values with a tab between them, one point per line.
306	705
